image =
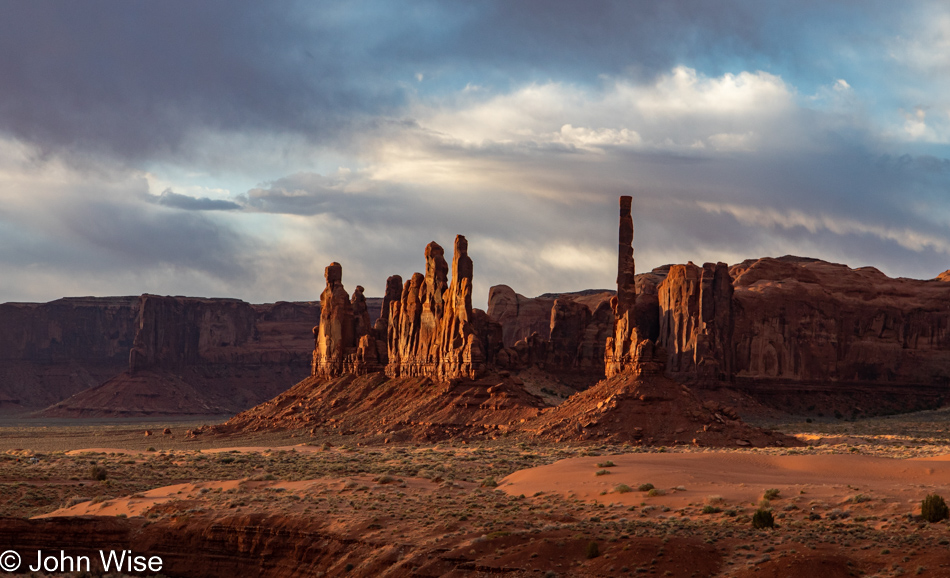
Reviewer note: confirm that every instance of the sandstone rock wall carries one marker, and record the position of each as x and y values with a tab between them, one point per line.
696	322
86	328
51	351
518	315
177	332
805	320
557	331
773	322
433	330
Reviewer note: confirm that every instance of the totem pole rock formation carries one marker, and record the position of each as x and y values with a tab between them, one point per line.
630	348
433	330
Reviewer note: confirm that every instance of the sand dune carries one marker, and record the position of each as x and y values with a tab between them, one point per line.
738	478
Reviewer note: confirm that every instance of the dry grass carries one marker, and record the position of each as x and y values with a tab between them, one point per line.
437	496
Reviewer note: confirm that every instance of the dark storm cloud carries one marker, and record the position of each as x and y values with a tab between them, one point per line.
107	226
542	39
314	194
169	198
125	236
135	79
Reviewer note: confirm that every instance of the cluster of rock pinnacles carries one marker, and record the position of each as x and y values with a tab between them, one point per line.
429	328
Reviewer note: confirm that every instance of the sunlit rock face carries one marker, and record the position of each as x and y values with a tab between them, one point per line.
427	326
433	330
346	341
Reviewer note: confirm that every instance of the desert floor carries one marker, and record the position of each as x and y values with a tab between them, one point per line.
848	504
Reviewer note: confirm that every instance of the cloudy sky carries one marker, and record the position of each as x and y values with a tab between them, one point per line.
233	149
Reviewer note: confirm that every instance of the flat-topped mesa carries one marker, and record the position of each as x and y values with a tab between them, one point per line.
433	330
629	349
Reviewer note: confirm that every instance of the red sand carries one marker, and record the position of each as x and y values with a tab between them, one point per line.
738	478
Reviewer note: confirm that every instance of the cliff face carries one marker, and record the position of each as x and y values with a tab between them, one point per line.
224	353
696	322
49	351
193	356
768	322
558	331
95	329
177	332
808	320
518	315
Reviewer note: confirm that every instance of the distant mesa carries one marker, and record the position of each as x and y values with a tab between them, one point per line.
151	355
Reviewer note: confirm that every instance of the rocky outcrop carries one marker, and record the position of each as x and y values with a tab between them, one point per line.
578	336
346	341
631	347
518	315
433	330
678	319
644	408
334	337
557	331
427	327
696	322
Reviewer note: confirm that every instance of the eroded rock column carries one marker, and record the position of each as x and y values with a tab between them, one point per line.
334	337
431	329
627	349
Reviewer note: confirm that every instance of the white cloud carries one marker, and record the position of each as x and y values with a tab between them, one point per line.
579	258
595	138
681	109
915	125
684	92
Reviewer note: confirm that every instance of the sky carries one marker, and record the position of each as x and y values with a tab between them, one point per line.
234	148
